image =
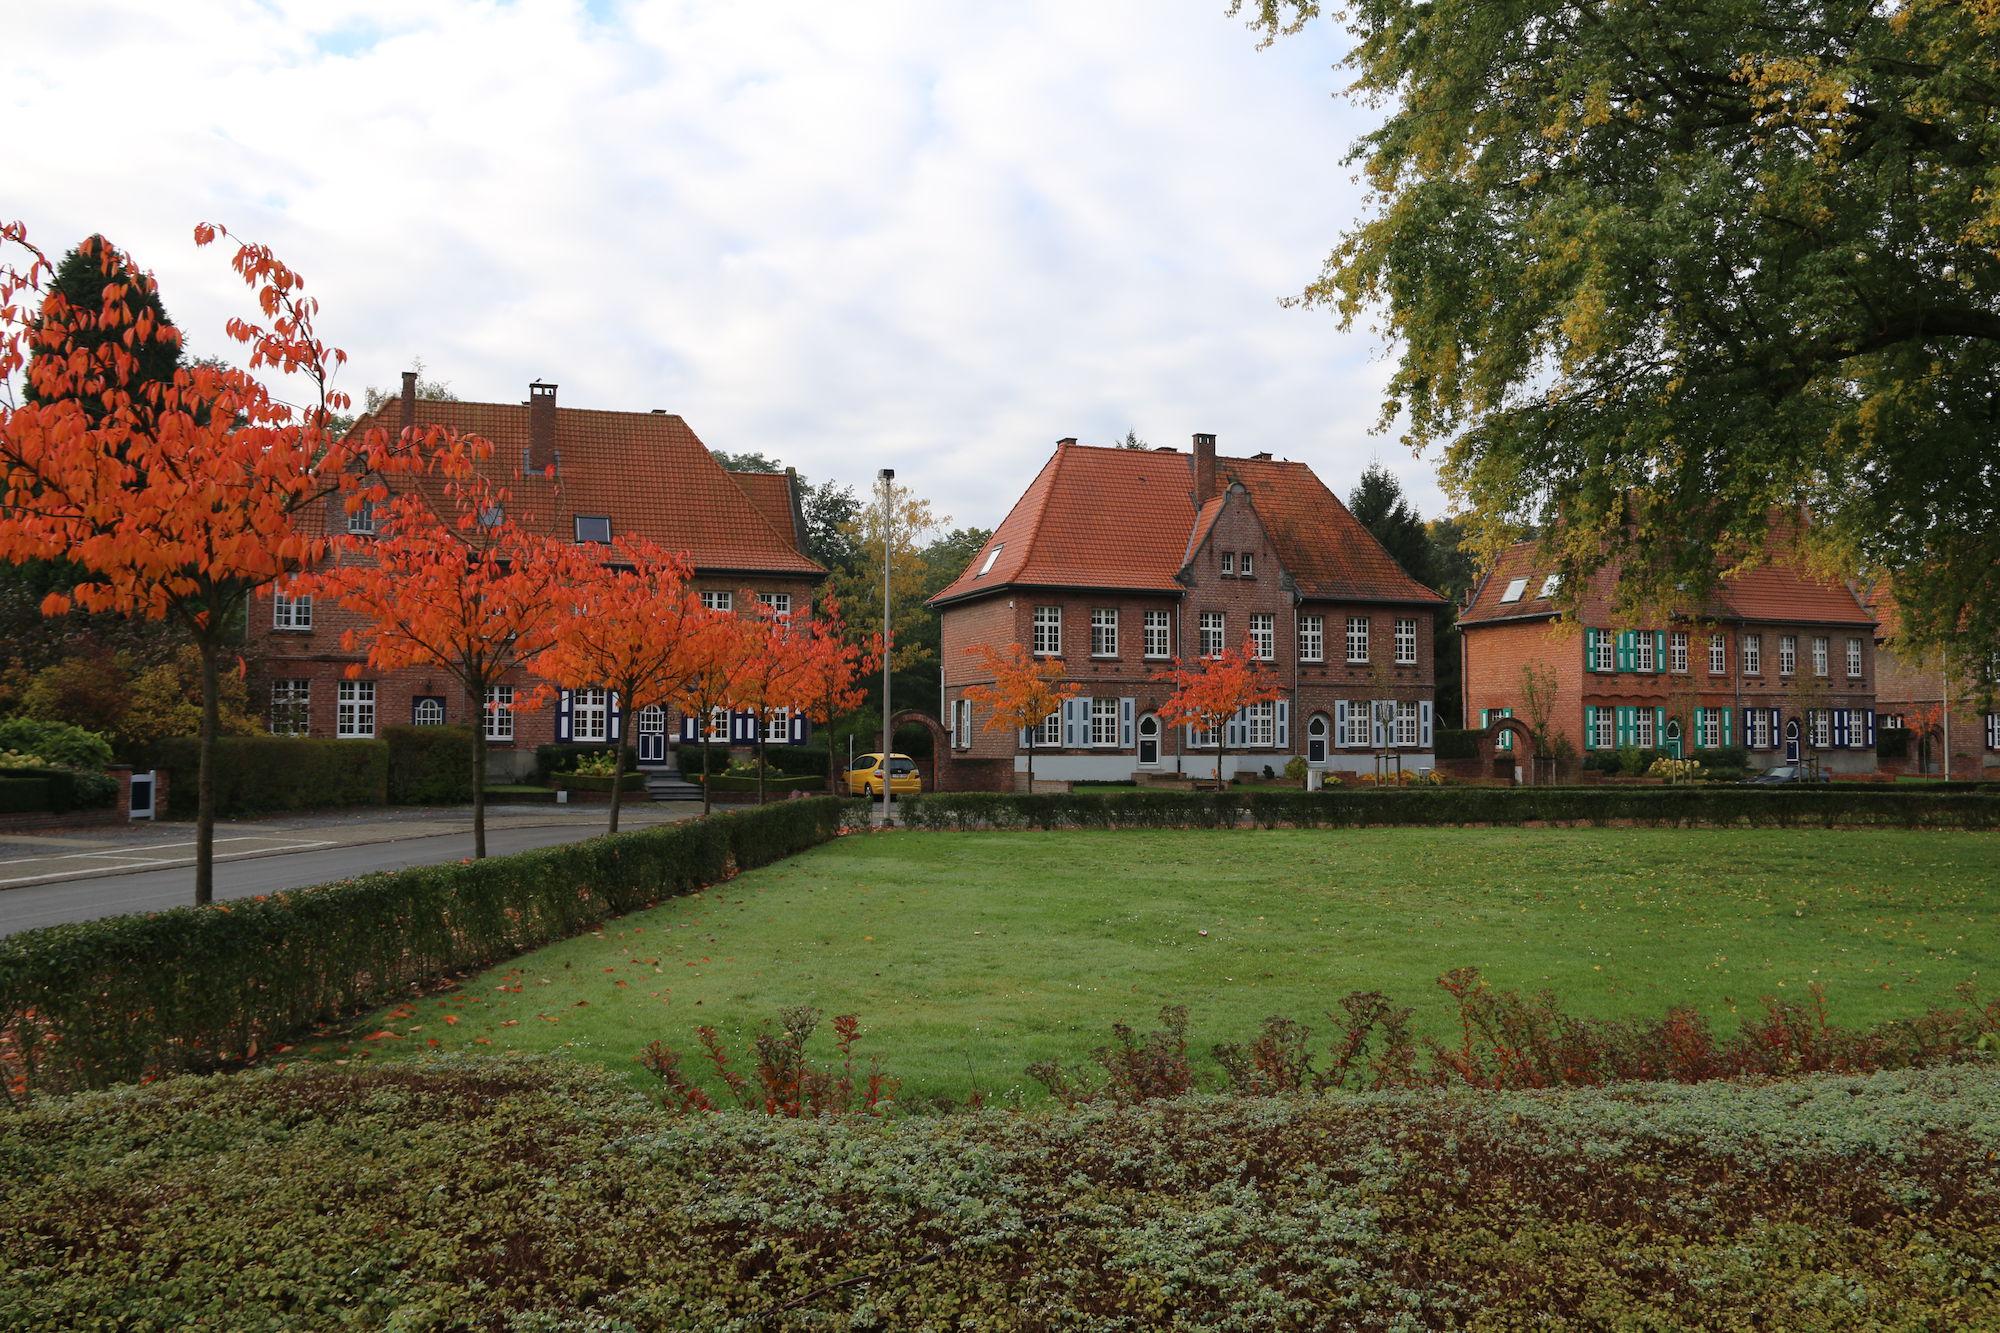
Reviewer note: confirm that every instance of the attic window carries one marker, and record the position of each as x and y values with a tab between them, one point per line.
491	515
1549	585
593	528
991	556
1514	591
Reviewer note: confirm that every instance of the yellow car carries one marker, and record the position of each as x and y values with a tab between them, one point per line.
865	778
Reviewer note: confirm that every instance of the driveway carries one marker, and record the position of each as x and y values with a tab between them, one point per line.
50	878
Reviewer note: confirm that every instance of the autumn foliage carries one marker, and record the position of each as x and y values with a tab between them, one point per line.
1212	690
1024	690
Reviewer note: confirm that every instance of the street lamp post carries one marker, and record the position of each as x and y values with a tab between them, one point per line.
887	476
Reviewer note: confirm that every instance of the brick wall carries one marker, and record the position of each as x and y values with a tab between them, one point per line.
1913	687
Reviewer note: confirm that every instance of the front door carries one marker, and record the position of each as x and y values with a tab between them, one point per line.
1792	741
1673	746
652	743
1316	739
1149	741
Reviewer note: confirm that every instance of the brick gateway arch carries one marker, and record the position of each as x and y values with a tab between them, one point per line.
950	772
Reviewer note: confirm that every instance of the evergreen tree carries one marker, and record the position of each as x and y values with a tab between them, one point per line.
80	281
1377	500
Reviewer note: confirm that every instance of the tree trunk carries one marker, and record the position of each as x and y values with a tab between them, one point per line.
204	814
1221	753
1031	762
618	779
706	799
479	775
832	787
763	729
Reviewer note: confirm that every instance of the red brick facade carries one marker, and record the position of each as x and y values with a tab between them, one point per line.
1911	691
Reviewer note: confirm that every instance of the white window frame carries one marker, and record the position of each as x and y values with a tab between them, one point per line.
423	705
1753	654
1642	728
1312	638
1550	586
1515	587
778	726
1205	738
291	707
1993	731
1822	728
1406	724
1718	655
361	521
1757	728
1228	564
1357	639
1677	652
1104	631
1606	650
499	712
590	714
991	556
1359	732
1406	641
354	712
712	600
717	730
1642	651
1854	659
1260	725
1159	630
778	604
1708	728
1048	631
1050	736
1788	654
291	613
1246	565
1104	722
1214	633
1604	726
1264	635
1821	658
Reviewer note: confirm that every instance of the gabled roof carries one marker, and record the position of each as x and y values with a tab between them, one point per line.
772	493
647	471
1126	519
1780	590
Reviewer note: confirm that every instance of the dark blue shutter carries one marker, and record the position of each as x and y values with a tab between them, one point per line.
563	716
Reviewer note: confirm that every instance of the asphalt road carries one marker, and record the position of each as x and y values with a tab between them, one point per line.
149	890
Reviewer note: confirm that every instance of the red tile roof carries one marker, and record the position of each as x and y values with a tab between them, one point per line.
1780	589
771	492
646	471
1126	519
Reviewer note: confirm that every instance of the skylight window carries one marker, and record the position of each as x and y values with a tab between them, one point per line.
1514	591
593	528
991	556
1550	584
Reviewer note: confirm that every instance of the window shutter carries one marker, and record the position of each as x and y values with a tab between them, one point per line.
1589	727
562	716
1728	730
1024	738
800	729
1700	729
1190	734
1485	719
617	716
1232	730
1624	650
1128	713
1076	712
687	727
1424	723
1659	727
1340	721
1659	650
1283	709
1623	723
1377	736
1590	649
1840	728
1870	724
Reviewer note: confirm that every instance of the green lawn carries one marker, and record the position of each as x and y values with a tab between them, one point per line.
969	955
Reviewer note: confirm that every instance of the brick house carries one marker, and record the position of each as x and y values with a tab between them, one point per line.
1909	692
584	475
1779	661
1120	561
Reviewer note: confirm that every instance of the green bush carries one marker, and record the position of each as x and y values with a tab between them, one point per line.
60	743
553	759
22	793
67	789
773	782
1814	806
429	765
256	774
1892	742
1456	742
127	997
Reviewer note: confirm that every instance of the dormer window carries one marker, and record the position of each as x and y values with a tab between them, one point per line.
492	515
987	566
1247	566
1514	590
593	528
361	520
1228	564
1550	584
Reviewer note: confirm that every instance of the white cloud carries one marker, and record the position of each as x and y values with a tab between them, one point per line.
924	236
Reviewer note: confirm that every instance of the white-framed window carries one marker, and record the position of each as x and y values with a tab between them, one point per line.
1788	654
778	726
1212	634
1822	728
1312	638
1819	654
1104	632
1247	565
1357	638
1708	727
986	567
1159	634
361	520
590	714
594	528
1642	651
1642	728
961	724
1406	641
1753	654
1260	724
1359	722
1602	736
354	718
1550	585
1757	728
1857	728
1854	659
291	612
1993	731
1604	650
1051	732
1718	655
291	707
1204	738
1104	722
777	604
1515	588
1677	651
1406	724
717	730
1263	635
1229	564
499	712
718	601
1048	631
427	712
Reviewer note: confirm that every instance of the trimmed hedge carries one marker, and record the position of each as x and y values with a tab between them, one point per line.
254	774
24	794
127	997
1456	742
772	782
553	759
67	789
1829	805
429	765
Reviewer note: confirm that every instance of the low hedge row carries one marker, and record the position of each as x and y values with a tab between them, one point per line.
128	997
23	795
596	782
1678	805
429	765
773	782
62	790
256	774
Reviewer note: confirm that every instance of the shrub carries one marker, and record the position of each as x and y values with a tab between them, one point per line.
429	765
130	997
1892	743
553	759
1456	742
60	743
1675	770
66	789
1724	756
1633	761
22	794
747	782
254	774
786	1081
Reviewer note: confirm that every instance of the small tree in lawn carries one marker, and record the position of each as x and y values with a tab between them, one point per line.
1025	689
830	672
769	679
177	499
626	627
1213	690
715	653
454	585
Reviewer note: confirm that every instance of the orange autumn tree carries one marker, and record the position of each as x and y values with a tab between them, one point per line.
1213	690
628	625
456	585
768	679
1025	690
830	672
178	499
715	653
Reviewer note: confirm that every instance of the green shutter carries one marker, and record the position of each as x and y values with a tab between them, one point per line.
1700	717
1591	640
1624	650
1621	724
1589	727
1728	717
1659	650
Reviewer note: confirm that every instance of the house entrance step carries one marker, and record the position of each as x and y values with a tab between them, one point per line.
668	785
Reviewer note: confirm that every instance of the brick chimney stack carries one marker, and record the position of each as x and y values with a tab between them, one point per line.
409	399
1204	469
541	428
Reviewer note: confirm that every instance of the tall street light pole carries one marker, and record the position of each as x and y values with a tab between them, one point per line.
887	476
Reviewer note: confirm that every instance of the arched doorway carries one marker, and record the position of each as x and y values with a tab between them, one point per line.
1149	741
1671	742
1792	741
651	741
1316	738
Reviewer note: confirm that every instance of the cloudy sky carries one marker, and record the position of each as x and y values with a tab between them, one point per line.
932	236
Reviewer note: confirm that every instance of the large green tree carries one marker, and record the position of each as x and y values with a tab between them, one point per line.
1377	500
1658	275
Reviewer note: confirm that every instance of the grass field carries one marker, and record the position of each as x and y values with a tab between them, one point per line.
967	956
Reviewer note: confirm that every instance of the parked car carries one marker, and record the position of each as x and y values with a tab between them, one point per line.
865	778
1787	773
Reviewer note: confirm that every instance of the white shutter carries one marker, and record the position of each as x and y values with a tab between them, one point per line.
1424	723
1075	721
1870	723
1128	713
563	716
1284	711
799	731
1340	722
617	717
1024	738
1376	731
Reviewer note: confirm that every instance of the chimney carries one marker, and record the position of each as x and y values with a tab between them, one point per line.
1204	468
1067	439
409	399
541	428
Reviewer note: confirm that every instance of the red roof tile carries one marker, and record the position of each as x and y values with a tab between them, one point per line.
771	492
1126	519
